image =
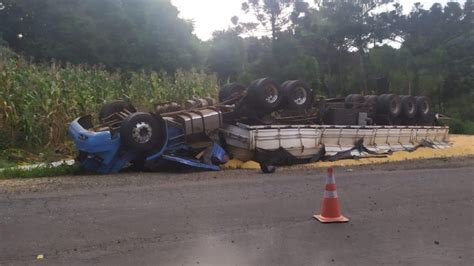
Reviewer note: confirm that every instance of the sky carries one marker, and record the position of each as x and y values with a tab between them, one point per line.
212	15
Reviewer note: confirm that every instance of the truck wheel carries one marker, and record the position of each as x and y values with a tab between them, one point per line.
298	94
423	106
267	169
408	106
348	101
113	107
229	91
265	95
140	132
352	100
371	101
389	104
357	100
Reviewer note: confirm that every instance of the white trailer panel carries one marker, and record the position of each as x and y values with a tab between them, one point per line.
304	141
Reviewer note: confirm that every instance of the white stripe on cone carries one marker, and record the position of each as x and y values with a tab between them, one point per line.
330	194
330	179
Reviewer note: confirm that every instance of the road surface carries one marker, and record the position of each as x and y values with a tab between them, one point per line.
399	216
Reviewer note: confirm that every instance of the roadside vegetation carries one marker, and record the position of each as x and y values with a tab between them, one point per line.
40	99
60	60
43	171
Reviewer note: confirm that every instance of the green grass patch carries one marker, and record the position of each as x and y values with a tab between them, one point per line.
458	125
4	163
42	171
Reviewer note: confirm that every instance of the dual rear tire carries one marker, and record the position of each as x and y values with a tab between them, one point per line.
423	108
409	107
298	95
389	104
403	109
230	92
266	95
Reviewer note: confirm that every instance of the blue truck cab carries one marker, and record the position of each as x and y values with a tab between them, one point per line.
151	141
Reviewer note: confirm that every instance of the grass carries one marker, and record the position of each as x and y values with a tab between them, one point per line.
4	163
45	171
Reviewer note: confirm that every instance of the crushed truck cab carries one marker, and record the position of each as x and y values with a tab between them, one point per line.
102	149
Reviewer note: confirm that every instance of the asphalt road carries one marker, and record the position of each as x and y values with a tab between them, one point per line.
398	217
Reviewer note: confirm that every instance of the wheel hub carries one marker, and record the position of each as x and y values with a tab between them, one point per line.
394	106
271	94
142	133
299	96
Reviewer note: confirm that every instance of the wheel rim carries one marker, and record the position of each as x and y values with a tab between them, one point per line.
411	108
271	93
424	107
142	133
299	96
394	107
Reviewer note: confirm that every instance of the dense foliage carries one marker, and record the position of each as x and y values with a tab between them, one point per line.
118	34
338	46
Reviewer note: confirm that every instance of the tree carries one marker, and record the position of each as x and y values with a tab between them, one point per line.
273	15
226	54
342	26
435	59
119	34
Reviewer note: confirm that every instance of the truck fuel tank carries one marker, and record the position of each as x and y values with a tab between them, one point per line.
200	121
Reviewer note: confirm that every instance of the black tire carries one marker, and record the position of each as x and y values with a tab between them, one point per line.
353	100
285	83
229	91
423	106
138	164
410	122
264	95
141	132
297	94
348	101
114	107
267	169
389	104
357	100
408	107
371	101
381	109
395	121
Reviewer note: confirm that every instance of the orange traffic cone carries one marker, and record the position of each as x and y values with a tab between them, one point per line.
330	210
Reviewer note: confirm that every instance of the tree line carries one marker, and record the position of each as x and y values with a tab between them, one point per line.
338	46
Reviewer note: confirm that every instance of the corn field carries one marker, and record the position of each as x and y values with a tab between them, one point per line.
37	101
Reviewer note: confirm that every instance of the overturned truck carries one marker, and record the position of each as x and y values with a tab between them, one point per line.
271	123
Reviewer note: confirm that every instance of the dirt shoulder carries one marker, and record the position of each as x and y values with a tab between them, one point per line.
93	182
